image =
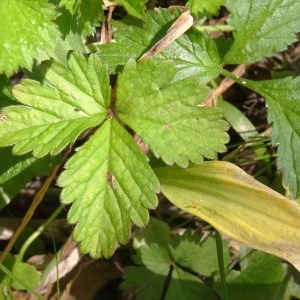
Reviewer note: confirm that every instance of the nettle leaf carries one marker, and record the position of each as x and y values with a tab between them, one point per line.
26	29
262	28
166	114
283	100
194	53
202	8
55	113
111	185
135	8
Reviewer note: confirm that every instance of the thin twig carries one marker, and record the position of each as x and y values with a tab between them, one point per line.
106	31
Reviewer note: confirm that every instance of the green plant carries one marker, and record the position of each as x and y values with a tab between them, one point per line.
168	265
71	98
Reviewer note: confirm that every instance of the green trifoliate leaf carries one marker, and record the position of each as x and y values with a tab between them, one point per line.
262	28
167	115
55	113
283	100
204	8
194	53
26	28
134	7
110	185
158	270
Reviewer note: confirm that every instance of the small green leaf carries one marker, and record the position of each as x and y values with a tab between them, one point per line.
147	284
204	8
16	171
148	235
110	185
262	28
133	42
202	257
154	106
159	266
5	280
194	53
18	47
149	277
236	205
155	258
86	13
283	100
290	287
259	280
73	36
56	112
26	274
73	41
11	166
135	8
16	273
5	92
185	286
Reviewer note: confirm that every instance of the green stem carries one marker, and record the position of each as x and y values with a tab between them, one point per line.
235	78
37	233
219	244
12	276
212	28
56	265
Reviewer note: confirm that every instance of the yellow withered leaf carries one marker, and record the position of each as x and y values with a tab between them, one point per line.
237	205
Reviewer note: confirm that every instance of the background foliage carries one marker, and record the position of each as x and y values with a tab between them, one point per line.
85	104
